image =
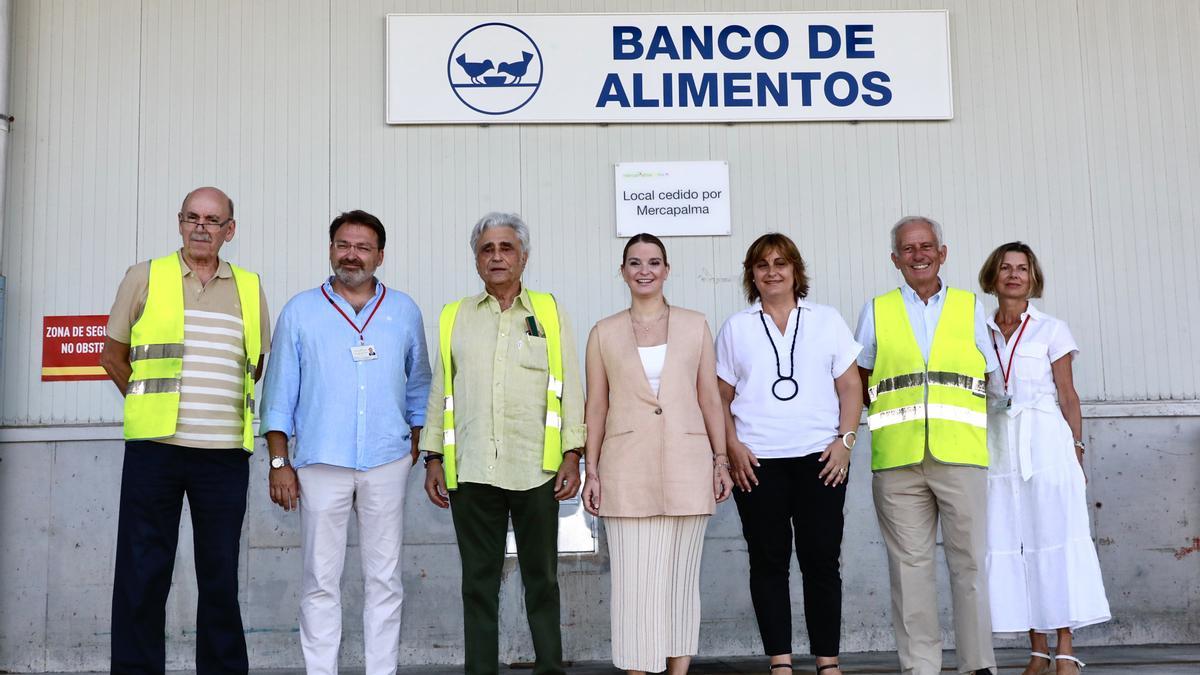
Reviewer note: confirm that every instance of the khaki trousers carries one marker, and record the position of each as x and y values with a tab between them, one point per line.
908	502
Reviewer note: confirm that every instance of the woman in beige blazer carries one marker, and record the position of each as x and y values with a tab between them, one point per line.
656	462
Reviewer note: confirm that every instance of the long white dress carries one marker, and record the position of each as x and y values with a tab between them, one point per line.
1043	573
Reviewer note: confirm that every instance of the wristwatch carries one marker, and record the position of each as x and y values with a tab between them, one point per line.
849	439
432	457
279	462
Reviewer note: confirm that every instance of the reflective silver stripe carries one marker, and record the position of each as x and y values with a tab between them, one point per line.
935	411
896	383
553	421
972	384
941	378
161	351
953	413
250	403
163	385
887	418
555	386
450	403
447	437
250	367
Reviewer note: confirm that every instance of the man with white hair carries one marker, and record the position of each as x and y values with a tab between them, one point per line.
503	433
925	354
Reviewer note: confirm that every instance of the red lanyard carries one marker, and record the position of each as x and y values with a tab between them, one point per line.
1012	355
360	331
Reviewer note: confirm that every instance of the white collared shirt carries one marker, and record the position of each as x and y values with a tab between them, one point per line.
806	424
1045	340
924	317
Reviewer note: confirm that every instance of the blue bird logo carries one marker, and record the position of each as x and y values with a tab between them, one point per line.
484	74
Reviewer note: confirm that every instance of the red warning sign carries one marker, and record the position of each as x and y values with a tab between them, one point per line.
71	347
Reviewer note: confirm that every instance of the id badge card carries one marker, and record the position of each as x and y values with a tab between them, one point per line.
364	353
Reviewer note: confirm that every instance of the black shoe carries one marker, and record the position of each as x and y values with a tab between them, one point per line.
984	671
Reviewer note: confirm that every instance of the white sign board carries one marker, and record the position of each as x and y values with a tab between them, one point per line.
672	199
718	67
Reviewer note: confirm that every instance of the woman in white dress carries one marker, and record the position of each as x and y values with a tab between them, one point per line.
1043	573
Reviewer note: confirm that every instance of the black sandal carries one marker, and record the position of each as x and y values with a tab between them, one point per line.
781	665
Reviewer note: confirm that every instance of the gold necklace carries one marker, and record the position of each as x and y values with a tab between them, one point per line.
646	328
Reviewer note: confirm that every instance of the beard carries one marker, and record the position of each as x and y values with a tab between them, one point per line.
352	276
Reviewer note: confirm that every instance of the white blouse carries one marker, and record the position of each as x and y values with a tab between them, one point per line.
1044	341
653	359
825	348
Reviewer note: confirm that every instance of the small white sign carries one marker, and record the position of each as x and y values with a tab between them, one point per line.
672	199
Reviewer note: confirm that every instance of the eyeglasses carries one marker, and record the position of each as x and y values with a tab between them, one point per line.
345	246
211	223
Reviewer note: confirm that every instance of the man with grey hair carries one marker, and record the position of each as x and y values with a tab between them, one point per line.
507	371
926	352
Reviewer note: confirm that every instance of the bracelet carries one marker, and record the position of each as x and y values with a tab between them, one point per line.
1080	445
432	457
577	451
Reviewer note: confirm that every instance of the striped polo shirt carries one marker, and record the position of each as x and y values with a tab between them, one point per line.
214	358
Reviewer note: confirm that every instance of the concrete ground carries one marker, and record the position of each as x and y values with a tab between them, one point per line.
1139	660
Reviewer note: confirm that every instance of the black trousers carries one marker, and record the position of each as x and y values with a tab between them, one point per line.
792	503
480	514
154	481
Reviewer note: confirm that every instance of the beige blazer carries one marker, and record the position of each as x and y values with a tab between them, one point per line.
656	459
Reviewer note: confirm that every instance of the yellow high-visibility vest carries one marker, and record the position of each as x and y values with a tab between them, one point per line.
156	353
941	405
545	311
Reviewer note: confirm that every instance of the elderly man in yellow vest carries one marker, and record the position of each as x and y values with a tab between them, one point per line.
503	432
925	353
186	338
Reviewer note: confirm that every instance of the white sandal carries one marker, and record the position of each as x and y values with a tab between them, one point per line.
1049	669
1067	657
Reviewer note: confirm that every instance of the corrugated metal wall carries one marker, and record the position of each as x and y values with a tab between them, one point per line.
1074	131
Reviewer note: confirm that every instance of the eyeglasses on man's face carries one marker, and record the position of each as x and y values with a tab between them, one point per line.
211	223
345	246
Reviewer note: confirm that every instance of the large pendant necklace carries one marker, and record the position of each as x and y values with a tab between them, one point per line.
785	384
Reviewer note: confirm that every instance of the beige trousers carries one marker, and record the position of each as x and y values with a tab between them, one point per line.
909	502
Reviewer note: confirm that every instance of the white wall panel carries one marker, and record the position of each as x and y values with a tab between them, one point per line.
1140	94
1073	132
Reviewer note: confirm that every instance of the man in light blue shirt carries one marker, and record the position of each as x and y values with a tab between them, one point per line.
349	378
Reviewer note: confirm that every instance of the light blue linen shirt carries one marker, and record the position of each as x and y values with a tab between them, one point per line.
347	413
924	319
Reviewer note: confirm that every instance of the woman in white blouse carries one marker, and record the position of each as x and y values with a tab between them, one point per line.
792	397
1043	573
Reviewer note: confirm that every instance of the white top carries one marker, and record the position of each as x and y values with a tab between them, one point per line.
1045	340
653	359
924	317
806	424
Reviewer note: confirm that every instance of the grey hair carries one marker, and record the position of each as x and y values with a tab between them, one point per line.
497	219
937	230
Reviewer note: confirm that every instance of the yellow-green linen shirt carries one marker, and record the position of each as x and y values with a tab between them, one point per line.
500	395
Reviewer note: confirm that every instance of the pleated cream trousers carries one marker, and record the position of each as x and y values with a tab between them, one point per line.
655	588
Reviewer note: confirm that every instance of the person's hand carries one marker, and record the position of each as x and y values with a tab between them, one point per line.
285	487
416	454
566	481
742	463
591	493
1079	456
435	484
722	482
837	464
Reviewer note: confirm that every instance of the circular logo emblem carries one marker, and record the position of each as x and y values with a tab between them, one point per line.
494	68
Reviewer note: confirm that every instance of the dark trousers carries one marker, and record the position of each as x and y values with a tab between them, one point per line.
791	502
154	481
480	514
